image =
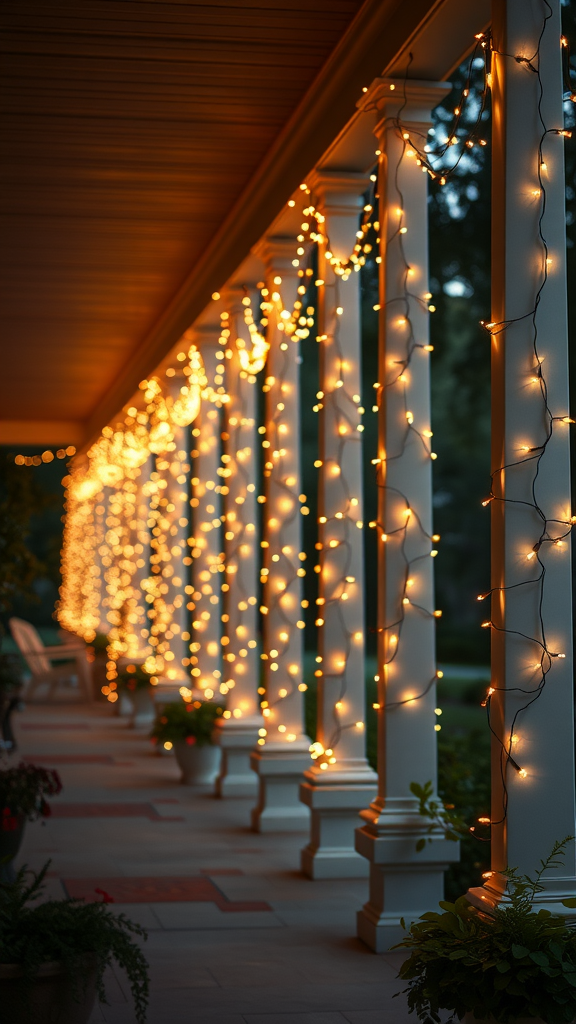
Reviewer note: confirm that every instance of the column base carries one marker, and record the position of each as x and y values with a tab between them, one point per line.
404	883
279	768
335	799
237	739
494	893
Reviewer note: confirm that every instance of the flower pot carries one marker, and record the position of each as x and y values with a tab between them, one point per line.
199	764
10	842
51	996
144	710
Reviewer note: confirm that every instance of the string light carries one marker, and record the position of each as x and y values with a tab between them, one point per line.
45	457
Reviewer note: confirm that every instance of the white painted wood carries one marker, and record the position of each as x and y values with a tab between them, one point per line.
173	469
207	549
403	882
237	734
285	747
341	782
539	808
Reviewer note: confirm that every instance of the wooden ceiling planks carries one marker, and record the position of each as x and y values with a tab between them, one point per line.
128	130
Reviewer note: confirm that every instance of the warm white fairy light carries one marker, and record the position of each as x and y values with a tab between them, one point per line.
238	472
288	320
206	542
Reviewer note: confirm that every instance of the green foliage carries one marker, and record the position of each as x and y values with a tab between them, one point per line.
134	677
464	782
513	963
442	817
66	931
20	498
192	722
23	791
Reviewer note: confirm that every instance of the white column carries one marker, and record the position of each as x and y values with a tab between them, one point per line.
283	751
532	666
206	539
341	781
238	731
170	508
403	882
136	564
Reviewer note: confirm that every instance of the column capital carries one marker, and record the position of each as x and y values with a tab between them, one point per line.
232	295
339	188
277	253
203	335
413	98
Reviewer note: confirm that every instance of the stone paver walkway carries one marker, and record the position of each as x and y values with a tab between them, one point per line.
285	954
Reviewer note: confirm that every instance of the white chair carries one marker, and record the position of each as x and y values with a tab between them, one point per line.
39	658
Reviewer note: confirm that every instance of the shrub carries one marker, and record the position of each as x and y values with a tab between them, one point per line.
193	722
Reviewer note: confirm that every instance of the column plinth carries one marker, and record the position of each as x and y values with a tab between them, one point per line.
280	768
403	884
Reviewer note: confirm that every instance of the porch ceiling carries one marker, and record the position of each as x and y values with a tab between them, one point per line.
146	147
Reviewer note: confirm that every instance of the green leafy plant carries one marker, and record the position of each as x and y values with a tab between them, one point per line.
193	722
135	677
23	792
512	963
67	931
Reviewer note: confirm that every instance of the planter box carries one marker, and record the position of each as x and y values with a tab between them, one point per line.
199	765
51	998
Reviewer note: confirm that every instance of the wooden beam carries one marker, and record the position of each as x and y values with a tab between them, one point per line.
42	432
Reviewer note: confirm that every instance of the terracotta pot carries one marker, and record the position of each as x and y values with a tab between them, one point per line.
10	842
51	997
199	765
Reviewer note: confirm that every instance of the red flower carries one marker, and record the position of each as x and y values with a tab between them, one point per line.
190	740
9	821
45	809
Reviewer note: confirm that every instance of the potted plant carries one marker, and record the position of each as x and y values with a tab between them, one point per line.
512	965
136	683
187	729
23	792
53	955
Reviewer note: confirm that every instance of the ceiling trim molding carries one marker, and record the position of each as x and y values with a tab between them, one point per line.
42	432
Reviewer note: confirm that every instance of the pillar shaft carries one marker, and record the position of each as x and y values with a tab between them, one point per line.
169	558
207	561
284	752
403	882
239	731
341	782
532	673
